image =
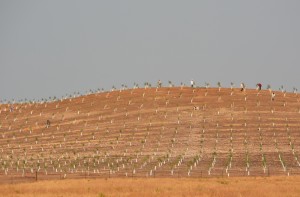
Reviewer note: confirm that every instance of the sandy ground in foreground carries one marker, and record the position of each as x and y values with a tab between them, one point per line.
270	186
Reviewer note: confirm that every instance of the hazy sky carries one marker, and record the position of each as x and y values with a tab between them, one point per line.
55	47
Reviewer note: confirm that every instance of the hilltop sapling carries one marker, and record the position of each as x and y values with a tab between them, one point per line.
219	85
206	85
243	87
159	84
135	85
181	85
281	88
146	85
231	85
295	90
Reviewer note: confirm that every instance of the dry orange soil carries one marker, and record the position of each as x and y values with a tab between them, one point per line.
152	133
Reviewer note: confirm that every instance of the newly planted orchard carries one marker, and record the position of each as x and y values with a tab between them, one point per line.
151	132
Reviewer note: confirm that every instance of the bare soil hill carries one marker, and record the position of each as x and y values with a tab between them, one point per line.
153	132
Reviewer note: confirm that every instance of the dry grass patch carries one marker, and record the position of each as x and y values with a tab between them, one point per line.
271	186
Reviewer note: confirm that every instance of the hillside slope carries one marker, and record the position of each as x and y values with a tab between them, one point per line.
153	132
